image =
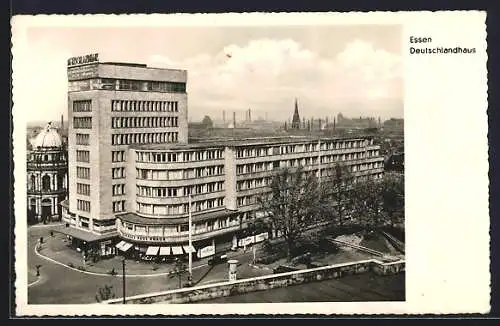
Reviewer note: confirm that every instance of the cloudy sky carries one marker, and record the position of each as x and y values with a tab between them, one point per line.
356	70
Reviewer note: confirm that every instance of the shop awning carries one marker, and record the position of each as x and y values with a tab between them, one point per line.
164	251
120	244
126	246
188	249
152	251
177	250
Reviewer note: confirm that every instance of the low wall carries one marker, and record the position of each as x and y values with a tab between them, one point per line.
267	282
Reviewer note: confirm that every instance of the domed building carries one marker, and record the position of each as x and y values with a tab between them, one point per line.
47	167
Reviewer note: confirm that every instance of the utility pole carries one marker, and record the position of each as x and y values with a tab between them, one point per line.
123	279
190	254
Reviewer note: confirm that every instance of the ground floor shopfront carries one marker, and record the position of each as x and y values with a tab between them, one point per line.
91	246
94	246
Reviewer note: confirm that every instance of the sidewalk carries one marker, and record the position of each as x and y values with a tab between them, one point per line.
57	248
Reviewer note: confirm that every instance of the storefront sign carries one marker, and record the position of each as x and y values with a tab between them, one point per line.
261	237
83	59
245	241
82	72
206	252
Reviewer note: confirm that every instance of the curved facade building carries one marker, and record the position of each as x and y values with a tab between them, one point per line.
47	176
134	178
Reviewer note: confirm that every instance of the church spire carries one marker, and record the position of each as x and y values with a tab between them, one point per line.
296	117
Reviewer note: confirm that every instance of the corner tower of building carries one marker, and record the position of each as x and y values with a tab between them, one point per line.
111	106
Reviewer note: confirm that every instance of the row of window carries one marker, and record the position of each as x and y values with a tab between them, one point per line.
82	173
118	206
83	205
83	189
144	138
307	161
82	122
82	139
153	157
196	206
82	106
118	189
53	157
118	173
157	233
126	84
253	183
82	156
301	148
180	191
145	106
208	171
118	156
247	200
144	122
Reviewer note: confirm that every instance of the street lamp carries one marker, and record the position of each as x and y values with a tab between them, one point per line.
190	254
123	278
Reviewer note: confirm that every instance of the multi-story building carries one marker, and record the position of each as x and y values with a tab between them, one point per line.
47	167
133	174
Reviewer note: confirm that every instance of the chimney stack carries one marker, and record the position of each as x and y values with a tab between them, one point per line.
234	119
62	123
249	115
224	116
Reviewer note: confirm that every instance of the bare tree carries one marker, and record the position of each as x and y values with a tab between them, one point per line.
337	189
368	203
293	204
105	293
180	268
393	191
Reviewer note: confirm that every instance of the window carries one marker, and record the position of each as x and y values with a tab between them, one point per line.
82	139
168	87
82	156
46	183
83	189
118	156
118	206
118	189
82	122
82	173
118	173
82	106
83	205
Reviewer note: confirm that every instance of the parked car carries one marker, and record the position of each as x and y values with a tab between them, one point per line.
218	259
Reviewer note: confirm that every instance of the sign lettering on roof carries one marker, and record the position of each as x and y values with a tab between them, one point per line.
83	59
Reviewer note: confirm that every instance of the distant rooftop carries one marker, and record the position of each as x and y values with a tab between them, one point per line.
136	65
128	64
233	142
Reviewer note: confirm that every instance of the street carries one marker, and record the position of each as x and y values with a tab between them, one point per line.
59	284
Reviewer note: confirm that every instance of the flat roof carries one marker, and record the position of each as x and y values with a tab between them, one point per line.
135	65
137	219
232	142
82	234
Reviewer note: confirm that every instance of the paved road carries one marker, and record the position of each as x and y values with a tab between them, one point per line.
58	284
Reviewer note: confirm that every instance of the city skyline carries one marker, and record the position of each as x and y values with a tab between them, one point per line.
359	73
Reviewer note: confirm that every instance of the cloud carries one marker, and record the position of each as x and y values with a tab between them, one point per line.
267	75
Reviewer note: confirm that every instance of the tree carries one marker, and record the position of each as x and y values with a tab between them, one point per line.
180	268
105	293
338	190
368	203
294	203
393	191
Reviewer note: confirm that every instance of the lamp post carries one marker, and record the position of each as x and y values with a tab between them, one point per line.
190	254
123	279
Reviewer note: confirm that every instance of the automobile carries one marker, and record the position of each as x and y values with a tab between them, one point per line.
217	259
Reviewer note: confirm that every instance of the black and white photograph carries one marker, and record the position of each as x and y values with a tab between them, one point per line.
224	164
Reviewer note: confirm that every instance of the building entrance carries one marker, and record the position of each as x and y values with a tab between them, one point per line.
46	210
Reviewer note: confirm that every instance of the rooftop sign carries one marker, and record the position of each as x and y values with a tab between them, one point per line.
84	59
